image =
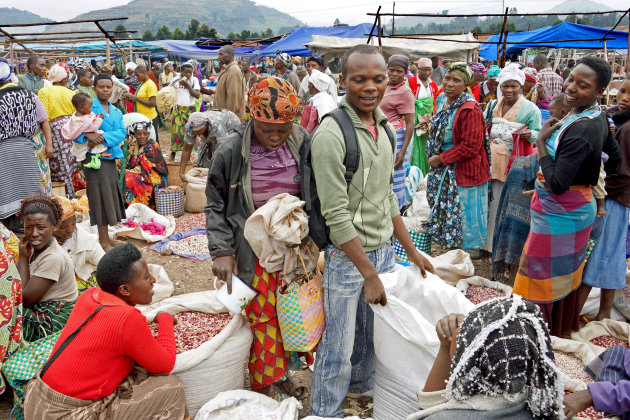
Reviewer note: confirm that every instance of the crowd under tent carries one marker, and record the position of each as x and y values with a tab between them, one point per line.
294	43
454	47
563	35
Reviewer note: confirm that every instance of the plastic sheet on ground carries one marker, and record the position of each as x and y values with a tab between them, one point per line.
200	256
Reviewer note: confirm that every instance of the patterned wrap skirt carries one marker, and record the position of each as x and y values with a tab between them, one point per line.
63	164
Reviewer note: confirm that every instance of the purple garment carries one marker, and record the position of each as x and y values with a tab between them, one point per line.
40	112
613	398
273	173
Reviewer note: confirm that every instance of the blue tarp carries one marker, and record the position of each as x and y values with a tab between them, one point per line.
293	43
563	30
188	49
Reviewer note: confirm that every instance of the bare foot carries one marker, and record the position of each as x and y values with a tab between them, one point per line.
601	213
601	316
107	246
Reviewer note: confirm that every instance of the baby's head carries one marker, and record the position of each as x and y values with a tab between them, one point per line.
82	103
558	107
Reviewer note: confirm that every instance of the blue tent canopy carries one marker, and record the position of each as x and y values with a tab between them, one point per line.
293	43
565	30
188	49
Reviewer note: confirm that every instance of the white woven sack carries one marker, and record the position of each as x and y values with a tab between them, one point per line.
610	327
215	366
195	199
163	287
405	327
248	405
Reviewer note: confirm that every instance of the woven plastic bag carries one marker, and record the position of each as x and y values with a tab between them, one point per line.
301	312
241	404
421	240
170	201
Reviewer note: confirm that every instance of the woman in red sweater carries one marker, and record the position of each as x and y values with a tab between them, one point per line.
106	361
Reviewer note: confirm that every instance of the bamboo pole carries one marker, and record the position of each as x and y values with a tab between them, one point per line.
107	53
380	32
67	33
65	22
505	31
373	25
605	52
498	14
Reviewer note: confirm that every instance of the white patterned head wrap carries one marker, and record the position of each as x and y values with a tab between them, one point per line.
5	71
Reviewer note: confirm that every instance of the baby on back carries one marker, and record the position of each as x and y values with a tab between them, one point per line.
84	121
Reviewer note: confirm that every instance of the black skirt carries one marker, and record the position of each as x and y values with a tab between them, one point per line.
107	207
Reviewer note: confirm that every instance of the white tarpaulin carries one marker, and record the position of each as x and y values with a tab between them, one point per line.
440	45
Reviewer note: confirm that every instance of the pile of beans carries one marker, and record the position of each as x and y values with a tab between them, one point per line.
589	413
195	245
478	294
571	366
608	341
195	328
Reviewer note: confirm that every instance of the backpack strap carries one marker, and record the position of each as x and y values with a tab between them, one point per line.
353	154
68	340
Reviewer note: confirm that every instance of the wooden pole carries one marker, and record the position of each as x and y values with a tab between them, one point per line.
605	52
504	32
373	25
65	22
380	31
393	18
107	52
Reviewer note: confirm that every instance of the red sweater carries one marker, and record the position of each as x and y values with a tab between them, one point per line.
104	352
468	151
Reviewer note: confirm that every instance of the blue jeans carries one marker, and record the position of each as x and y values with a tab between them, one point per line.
345	354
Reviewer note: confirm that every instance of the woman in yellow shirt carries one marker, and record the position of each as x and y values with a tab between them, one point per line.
145	97
57	101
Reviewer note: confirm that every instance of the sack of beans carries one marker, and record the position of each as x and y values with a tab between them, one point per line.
478	289
604	333
213	346
196	190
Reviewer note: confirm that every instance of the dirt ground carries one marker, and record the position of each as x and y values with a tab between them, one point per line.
188	276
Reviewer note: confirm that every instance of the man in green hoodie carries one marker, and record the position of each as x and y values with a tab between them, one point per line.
362	217
33	79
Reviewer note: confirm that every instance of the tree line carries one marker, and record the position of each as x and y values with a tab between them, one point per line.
194	31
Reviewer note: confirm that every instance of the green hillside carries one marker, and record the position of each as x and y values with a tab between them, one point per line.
225	16
11	15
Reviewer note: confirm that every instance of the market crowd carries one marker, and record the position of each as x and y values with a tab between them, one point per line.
520	164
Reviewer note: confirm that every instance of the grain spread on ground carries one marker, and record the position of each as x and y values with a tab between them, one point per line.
195	328
192	245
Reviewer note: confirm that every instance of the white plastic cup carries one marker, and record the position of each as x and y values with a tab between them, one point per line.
240	296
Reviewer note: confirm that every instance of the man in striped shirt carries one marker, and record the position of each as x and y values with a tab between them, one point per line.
547	77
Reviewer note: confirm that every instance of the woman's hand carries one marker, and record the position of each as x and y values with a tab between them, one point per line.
577	402
93	139
421	262
447	327
435	161
49	150
400	159
525	134
132	98
162	312
223	268
25	248
182	176
551	125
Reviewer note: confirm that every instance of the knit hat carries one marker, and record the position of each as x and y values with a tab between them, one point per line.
504	350
273	100
398	60
57	73
5	71
319	80
425	62
284	58
493	72
462	69
512	72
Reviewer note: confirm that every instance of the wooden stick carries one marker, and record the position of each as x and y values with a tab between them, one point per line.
107	53
66	33
616	24
373	25
18	42
498	14
65	22
380	31
504	54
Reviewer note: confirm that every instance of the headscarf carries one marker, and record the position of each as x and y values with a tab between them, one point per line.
70	207
284	58
80	63
220	122
130	66
319	80
504	349
168	64
530	78
512	72
5	71
493	72
462	69
140	125
57	73
272	100
530	71
398	60
425	62
477	68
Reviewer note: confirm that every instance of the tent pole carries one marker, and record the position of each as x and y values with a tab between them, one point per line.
107	52
380	31
374	25
505	35
605	52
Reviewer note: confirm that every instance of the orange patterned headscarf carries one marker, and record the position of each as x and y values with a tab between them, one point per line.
70	207
273	100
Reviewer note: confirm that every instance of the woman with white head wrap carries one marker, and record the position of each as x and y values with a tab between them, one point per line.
515	126
320	102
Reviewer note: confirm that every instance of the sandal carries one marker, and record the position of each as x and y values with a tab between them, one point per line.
292	387
476	254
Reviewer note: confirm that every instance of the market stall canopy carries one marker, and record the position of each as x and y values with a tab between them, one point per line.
189	50
455	47
570	35
293	43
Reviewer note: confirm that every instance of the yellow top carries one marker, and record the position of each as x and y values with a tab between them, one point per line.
146	91
57	101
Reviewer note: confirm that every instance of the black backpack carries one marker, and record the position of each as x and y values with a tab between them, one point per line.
318	230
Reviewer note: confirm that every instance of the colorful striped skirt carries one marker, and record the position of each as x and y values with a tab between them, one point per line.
552	261
400	173
178	126
45	318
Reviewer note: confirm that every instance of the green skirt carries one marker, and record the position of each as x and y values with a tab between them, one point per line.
45	318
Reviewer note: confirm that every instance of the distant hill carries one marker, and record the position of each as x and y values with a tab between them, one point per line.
13	15
225	15
570	6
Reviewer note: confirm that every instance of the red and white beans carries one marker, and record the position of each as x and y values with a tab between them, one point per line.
608	341
195	328
478	294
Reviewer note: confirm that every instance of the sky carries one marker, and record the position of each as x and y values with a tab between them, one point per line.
319	13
